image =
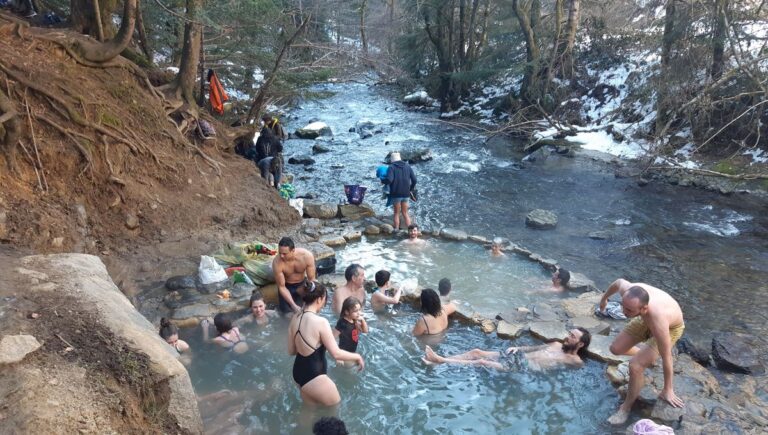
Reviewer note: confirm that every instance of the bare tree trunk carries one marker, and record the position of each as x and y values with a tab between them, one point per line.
190	54
103	52
97	19
85	17
667	41
528	15
143	41
571	28
258	101
363	6
390	47
718	39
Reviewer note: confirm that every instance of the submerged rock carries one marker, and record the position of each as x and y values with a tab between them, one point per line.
541	219
319	148
301	160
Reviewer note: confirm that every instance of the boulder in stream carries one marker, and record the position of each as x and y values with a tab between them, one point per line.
314	130
541	219
420	98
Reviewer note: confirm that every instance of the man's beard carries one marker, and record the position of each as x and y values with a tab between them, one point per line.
567	348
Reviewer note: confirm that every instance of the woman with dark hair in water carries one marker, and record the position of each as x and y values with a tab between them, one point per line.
309	335
229	336
170	333
259	313
434	317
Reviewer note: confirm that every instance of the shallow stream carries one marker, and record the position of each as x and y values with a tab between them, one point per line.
708	250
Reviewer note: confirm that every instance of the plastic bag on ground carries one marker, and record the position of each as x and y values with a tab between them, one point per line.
210	271
298	204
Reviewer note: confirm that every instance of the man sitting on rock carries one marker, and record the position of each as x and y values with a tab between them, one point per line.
560	280
292	266
544	357
657	323
355	276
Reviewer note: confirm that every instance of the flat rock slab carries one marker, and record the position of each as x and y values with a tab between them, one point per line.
583	305
478	239
580	283
591	324
548	330
453	234
356	212
319	250
13	348
510	330
599	349
333	240
320	210
544	312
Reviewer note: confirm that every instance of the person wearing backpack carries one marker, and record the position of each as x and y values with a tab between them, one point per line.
401	181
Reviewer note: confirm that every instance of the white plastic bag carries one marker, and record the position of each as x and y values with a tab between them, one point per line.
297	204
210	271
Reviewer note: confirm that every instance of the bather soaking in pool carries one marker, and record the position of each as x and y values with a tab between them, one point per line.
545	357
259	314
309	335
229	336
434	316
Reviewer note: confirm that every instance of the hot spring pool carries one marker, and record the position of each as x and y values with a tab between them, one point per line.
488	283
397	393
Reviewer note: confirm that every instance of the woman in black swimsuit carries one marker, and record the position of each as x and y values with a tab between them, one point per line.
309	335
434	316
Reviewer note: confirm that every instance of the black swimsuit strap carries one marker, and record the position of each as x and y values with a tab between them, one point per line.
425	323
298	332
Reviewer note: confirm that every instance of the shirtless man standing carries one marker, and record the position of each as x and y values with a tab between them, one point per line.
544	357
355	276
291	266
657	323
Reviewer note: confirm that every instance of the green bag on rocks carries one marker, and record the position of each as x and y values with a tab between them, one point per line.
257	265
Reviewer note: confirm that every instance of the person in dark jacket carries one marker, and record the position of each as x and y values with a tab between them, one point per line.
269	156
273	124
401	181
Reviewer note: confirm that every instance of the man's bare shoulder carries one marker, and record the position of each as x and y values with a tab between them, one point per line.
304	253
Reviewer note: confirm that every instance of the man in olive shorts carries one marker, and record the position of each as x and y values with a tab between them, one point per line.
657	323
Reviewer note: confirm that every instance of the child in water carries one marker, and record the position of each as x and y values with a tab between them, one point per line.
170	333
384	297
350	325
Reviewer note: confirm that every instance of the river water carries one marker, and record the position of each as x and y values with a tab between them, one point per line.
708	250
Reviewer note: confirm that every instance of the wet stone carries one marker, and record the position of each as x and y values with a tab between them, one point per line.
599	349
548	330
453	234
214	287
351	236
241	290
320	210
478	239
333	240
580	283
319	250
737	353
591	324
618	374
509	330
181	297
356	212
583	305
387	229
541	219
372	230
180	282
544	312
